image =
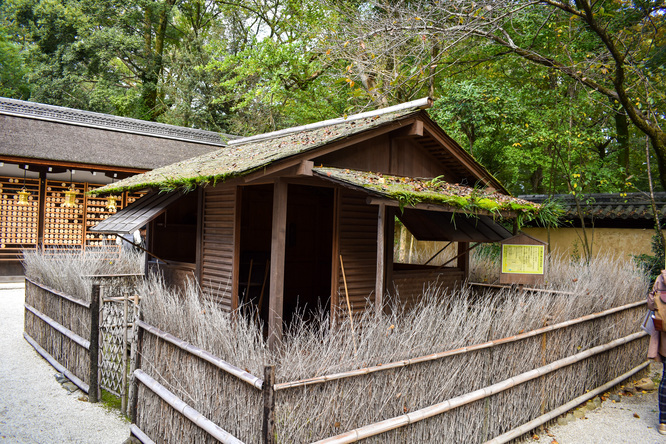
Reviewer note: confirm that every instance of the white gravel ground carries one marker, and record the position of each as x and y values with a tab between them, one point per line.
34	407
632	420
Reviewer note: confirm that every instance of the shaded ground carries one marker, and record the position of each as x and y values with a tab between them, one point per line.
34	407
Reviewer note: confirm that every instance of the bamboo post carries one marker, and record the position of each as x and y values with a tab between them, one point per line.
93	392
123	391
351	318
135	362
268	426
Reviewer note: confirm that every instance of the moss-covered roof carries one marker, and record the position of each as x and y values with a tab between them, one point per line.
412	191
243	158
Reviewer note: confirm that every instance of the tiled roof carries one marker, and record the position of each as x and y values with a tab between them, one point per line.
607	206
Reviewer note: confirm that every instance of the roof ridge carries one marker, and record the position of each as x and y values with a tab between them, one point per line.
73	116
423	103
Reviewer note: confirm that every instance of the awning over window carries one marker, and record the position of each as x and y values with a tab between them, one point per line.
444	226
431	208
137	214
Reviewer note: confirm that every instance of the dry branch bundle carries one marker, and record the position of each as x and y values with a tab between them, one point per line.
441	321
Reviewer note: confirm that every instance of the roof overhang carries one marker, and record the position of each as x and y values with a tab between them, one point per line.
443	226
138	214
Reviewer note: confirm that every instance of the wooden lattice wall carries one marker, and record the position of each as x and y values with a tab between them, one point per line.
63	227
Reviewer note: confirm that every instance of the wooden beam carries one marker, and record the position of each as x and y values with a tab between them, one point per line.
413	130
381	245
305	168
278	244
71	165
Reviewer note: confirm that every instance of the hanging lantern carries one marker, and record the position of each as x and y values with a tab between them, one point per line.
111	203
23	196
70	198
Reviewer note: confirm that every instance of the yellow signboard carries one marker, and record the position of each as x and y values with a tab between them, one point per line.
522	259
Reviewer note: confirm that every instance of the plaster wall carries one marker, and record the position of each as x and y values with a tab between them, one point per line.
623	242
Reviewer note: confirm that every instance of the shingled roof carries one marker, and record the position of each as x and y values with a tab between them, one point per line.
243	156
52	133
608	209
414	191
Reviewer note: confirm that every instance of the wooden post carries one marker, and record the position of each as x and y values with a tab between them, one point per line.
463	258
381	233
94	344
42	208
268	427
199	238
278	244
335	267
135	363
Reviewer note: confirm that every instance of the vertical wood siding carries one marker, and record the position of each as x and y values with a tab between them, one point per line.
217	252
358	247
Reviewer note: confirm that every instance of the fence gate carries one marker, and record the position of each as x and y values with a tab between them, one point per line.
117	312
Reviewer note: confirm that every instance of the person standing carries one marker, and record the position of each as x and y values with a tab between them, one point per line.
657	347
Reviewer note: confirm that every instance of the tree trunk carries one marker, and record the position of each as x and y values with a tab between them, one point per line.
659	146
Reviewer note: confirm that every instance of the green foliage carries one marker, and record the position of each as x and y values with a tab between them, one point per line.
12	70
653	264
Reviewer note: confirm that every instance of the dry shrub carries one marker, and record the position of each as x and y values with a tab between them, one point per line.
66	271
439	322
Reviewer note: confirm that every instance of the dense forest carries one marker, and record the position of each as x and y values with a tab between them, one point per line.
552	96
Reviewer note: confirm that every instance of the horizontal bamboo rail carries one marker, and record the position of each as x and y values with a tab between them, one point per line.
180	406
450	404
458	351
93	276
536	422
58	293
55	364
541	290
59	327
203	354
138	434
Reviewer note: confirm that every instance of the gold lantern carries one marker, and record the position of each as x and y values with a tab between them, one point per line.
23	196
111	203
70	198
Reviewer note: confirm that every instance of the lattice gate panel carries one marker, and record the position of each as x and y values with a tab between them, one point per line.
115	320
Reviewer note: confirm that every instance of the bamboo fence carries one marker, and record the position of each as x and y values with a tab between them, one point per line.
176	367
462	394
61	325
65	330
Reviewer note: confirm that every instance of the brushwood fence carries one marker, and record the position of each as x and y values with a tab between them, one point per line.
544	373
86	341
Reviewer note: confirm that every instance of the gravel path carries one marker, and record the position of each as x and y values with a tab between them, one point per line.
34	407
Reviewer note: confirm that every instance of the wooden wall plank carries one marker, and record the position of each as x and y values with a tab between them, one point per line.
357	243
218	244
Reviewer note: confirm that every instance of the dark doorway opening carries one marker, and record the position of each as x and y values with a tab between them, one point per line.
308	256
308	251
255	250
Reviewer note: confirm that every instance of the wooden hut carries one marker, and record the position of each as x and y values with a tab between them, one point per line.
306	215
48	150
